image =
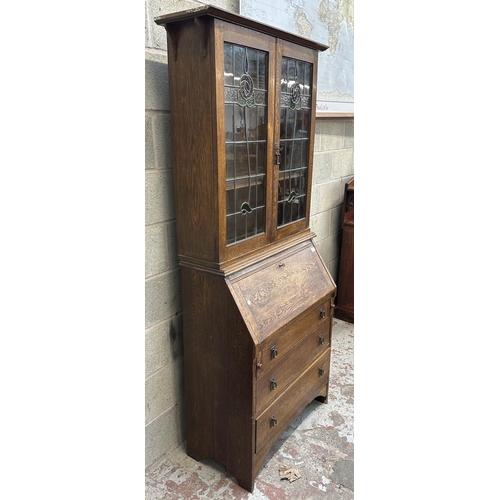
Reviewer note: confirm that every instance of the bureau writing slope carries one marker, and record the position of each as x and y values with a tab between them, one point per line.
257	298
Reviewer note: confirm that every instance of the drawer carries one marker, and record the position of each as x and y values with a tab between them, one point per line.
275	347
281	413
280	375
274	292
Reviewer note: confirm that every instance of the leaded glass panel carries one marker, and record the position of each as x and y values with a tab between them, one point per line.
245	95
295	113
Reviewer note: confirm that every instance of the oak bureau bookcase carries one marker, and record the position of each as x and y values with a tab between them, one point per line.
257	298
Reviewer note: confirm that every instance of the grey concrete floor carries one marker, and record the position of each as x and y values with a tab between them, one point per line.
319	443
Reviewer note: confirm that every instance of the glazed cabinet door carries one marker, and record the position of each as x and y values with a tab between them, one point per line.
245	79
296	69
265	123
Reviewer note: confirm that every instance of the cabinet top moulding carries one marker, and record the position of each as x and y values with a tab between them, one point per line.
233	18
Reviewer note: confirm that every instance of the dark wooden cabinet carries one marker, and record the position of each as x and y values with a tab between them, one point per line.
257	298
344	309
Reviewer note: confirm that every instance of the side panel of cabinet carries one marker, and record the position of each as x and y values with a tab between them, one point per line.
205	375
193	110
219	374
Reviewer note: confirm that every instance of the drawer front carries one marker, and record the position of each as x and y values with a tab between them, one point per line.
275	347
281	413
275	292
279	377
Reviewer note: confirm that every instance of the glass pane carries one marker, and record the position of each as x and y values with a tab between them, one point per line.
287	164
228	65
239	56
282	189
307	79
297	182
241	226
305	152
242	160
246	140
299	118
252	64
230	205
284	75
261	220
305	124
300	74
259	190
261	123
251	226
229	122
261	158
230	166
283	146
240	123
282	123
242	197
230	229
301	208
290	123
262	76
296	154
252	123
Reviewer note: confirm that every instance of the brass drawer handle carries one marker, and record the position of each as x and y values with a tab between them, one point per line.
321	340
322	313
274	421
274	351
273	384
321	371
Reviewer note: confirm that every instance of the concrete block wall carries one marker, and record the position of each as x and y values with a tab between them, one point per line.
163	340
333	166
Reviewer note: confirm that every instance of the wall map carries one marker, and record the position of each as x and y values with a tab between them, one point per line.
326	21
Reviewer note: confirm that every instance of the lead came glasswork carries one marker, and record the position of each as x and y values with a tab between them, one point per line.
245	96
295	112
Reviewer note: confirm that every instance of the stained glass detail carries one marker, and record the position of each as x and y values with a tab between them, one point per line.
245	96
246	208
295	113
295	97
